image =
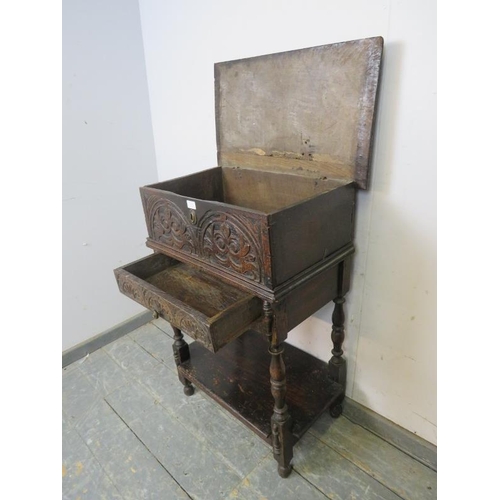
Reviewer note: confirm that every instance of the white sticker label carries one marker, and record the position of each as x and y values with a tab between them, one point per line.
191	204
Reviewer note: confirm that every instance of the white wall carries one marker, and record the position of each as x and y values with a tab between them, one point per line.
391	327
108	152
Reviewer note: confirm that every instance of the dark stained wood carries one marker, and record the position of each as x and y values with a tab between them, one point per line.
240	244
181	355
226	240
205	308
307	292
238	378
305	234
281	421
204	185
337	363
268	319
271	191
265	239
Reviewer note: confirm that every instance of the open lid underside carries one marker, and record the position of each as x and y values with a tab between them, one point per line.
307	111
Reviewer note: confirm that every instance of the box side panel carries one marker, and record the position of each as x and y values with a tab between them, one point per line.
306	299
309	232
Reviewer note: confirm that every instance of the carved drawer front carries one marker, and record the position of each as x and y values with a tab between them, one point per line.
200	305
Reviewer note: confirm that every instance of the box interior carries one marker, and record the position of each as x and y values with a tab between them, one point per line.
259	190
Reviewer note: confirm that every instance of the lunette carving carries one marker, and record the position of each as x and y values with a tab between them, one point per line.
167	224
230	242
225	240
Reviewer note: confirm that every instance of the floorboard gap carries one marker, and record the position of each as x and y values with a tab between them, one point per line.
358	467
307	481
394	445
100	465
152	454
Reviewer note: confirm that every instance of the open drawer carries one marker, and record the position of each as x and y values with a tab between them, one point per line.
202	306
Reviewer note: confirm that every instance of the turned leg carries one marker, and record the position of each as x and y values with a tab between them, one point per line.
281	421
337	364
181	354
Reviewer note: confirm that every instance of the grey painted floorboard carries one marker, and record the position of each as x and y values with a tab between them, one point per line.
190	461
227	438
387	464
103	372
333	475
130	466
82	475
264	483
406	441
165	327
78	395
130	433
154	341
131	357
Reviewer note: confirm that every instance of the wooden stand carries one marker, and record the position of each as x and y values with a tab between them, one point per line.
239	356
274	388
237	377
247	250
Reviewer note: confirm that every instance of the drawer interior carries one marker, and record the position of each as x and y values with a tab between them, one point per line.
202	306
256	189
194	288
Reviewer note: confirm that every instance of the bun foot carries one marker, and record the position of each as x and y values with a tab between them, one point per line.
336	410
284	471
188	390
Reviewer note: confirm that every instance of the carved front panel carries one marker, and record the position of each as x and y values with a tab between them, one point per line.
228	241
178	317
167	224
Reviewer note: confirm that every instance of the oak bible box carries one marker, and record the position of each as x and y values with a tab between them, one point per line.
249	249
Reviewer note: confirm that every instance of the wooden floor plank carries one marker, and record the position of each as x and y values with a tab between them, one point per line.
190	461
387	464
127	462
155	341
82	475
335	476
164	326
131	357
103	372
78	395
201	416
403	439
263	483
148	440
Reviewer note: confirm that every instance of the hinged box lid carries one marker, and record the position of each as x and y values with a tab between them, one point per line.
310	111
